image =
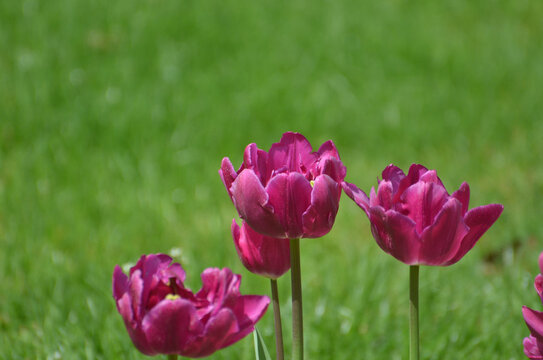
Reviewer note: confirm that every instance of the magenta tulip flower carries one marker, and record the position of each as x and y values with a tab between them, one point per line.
288	192
164	317
533	345
260	254
414	219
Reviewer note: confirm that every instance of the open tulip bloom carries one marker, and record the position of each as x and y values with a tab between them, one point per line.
533	345
289	192
414	219
162	316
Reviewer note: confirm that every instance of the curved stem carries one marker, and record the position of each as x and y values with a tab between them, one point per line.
414	312
277	321
297	313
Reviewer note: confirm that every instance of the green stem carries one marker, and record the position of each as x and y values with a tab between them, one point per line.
297	314
172	357
277	321
414	312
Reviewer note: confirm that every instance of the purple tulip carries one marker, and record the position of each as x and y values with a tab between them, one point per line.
533	345
164	317
260	254
288	192
414	219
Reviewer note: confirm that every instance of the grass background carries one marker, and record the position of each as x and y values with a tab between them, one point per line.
114	117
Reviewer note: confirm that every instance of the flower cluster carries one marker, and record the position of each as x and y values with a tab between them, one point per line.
282	195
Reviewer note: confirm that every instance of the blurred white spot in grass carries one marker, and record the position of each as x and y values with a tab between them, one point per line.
179	256
43	186
92	308
346	315
77	76
26	59
178	196
183	157
391	115
320	308
29	7
126	267
176	252
113	95
57	257
55	355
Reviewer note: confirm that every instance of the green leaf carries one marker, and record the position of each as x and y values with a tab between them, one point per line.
261	352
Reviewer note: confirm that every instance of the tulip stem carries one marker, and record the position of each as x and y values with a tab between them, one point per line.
414	312
172	357
277	321
297	313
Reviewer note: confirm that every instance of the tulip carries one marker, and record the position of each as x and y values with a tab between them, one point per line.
268	257
288	192
162	316
260	254
414	219
533	344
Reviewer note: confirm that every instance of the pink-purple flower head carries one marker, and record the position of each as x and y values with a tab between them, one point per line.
414	219
164	317
533	344
288	192
261	254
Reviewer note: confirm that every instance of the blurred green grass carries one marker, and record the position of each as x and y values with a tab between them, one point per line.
114	117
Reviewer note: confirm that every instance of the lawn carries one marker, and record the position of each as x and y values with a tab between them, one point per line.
115	115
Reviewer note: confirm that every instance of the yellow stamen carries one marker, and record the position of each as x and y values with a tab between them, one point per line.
172	297
312	183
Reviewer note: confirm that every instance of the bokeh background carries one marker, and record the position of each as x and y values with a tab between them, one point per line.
115	115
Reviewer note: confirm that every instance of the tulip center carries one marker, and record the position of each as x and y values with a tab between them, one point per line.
312	183
172	297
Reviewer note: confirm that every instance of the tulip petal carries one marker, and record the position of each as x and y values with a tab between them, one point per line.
262	255
422	202
357	195
293	152
290	196
396	234
479	220
227	174
413	175
135	292
534	321
120	282
394	175
533	348
248	310
462	194
319	217
384	195
538	284
252	202
217	332
217	286
328	162
442	239
168	325
256	160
